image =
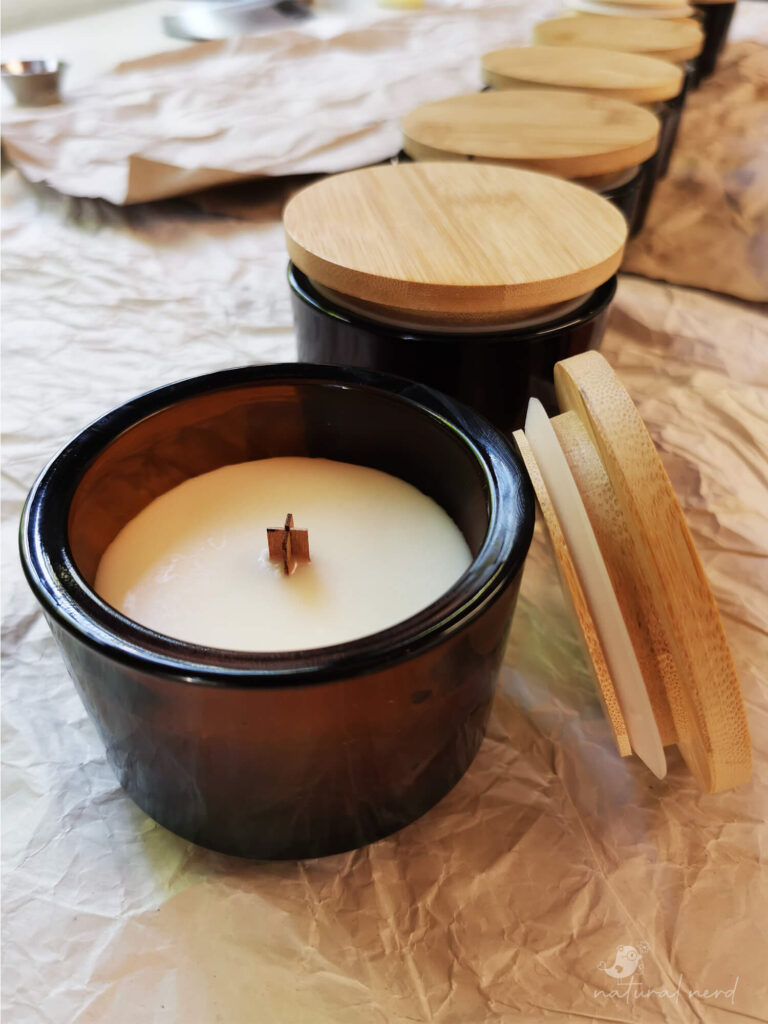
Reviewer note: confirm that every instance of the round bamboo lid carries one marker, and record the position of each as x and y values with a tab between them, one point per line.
454	238
671	40
572	134
657	578
617	8
608	73
670	4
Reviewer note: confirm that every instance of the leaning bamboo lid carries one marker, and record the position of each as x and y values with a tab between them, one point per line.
454	239
651	626
671	40
572	134
608	73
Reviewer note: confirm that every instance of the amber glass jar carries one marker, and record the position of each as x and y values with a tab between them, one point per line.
302	753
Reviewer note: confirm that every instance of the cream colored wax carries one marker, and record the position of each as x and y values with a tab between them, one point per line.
193	564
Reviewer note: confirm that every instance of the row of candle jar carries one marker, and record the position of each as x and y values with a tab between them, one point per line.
714	16
575	105
619	152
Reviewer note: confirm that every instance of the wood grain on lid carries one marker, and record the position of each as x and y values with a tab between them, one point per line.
569	133
645	3
673	40
701	686
609	73
454	237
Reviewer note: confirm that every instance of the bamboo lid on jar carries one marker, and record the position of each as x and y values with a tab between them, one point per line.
607	73
572	134
653	632
631	8
667	4
457	240
670	40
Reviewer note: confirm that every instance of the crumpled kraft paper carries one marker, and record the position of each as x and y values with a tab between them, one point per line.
552	863
283	103
707	225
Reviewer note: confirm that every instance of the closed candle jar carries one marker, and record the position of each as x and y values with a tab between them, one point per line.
656	84
471	278
660	9
677	40
605	144
293	751
715	18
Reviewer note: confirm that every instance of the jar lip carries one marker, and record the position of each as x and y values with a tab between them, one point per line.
73	605
593	304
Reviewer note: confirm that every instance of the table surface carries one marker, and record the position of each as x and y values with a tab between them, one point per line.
547	865
95	43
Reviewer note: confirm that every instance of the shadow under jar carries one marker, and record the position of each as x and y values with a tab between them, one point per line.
298	753
657	85
607	145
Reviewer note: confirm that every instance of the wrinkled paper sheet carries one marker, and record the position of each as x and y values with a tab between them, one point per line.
510	899
708	223
283	103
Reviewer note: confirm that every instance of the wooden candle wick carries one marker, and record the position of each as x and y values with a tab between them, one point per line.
288	545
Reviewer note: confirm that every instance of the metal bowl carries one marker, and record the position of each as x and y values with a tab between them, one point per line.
33	83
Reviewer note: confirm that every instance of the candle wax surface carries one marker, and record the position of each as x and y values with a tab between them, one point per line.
194	565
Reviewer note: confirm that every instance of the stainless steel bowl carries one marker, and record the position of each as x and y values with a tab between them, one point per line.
33	83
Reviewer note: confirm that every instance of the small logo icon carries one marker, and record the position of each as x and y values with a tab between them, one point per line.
628	960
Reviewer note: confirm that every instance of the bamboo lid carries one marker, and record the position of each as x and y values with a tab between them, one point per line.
672	40
673	4
658	581
617	8
454	238
572	134
607	73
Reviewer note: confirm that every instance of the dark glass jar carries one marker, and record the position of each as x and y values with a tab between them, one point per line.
715	20
627	195
494	371
297	754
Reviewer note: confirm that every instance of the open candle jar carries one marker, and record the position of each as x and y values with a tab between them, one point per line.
304	752
473	279
656	84
604	144
292	753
